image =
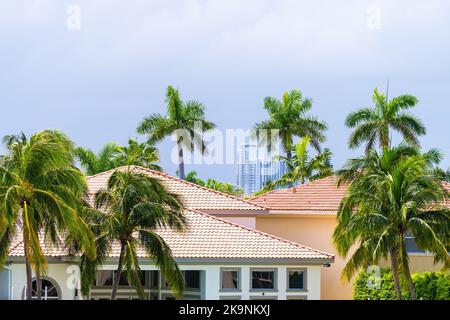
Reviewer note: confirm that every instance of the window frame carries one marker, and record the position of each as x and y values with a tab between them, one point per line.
275	279
239	286
305	280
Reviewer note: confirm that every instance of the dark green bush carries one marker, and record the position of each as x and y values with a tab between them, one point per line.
428	285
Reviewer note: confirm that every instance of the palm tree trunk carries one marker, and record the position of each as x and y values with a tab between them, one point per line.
394	267
29	288
28	271
118	272
407	274
38	286
289	157
180	161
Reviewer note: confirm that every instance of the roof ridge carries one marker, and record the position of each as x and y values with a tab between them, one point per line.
165	174
103	172
268	235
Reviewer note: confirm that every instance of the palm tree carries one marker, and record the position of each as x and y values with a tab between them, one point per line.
105	160
134	206
391	195
184	119
112	156
441	174
214	184
373	125
289	118
302	168
40	194
139	154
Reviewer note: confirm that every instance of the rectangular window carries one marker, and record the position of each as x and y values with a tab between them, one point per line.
104	278
263	279
153	279
192	279
230	279
296	279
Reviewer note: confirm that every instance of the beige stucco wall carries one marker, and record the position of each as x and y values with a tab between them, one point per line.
314	232
419	263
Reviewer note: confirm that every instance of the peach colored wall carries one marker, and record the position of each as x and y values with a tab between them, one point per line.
243	221
314	232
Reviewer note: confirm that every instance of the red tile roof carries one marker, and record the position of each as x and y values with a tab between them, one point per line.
193	196
209	237
318	196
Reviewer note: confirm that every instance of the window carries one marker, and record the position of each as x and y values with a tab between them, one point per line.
104	278
192	279
230	279
153	279
296	279
263	279
49	290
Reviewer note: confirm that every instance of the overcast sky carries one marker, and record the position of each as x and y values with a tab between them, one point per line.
97	82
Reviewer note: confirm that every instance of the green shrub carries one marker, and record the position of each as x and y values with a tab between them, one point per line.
432	285
428	285
362	291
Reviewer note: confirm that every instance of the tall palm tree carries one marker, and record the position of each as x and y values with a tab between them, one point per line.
134	205
303	168
40	194
105	160
391	195
188	117
373	125
289	118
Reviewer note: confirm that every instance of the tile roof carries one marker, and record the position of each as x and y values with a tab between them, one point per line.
318	196
209	237
193	196
447	187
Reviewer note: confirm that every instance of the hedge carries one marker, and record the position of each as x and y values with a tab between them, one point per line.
428	285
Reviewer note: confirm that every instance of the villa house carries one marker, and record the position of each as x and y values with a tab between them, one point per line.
220	259
307	214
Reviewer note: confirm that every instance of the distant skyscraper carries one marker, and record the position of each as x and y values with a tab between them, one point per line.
253	171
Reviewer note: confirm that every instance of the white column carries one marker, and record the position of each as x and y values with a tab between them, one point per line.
212	285
245	282
281	283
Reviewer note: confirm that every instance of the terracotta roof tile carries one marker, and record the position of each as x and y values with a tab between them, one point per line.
321	195
447	187
193	196
210	237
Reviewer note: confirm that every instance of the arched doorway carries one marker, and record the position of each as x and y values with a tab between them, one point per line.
49	290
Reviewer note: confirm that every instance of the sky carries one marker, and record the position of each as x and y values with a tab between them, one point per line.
95	68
